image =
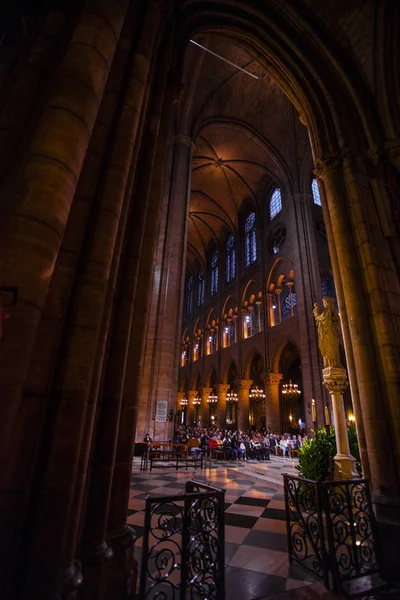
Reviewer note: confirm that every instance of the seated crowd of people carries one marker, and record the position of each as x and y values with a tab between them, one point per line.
237	445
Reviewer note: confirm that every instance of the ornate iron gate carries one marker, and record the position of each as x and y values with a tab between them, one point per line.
331	528
183	554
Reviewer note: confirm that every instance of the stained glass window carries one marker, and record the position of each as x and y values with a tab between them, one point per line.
275	204
214	274
230	259
200	288
315	192
189	296
250	240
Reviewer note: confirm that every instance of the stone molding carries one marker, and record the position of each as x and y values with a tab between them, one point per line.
272	378
329	162
179	138
335	379
245	384
223	388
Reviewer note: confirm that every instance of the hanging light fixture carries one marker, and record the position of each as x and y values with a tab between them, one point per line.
212	398
196	400
291	390
256	393
231	396
183	402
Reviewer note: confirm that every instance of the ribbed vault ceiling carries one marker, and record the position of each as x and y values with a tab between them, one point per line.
244	130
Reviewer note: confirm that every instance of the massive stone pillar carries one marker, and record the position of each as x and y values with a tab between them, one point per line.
272	406
41	197
222	390
191	395
120	535
243	407
160	374
308	291
26	85
205	407
362	334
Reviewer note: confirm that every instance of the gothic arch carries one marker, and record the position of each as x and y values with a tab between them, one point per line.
277	353
249	359
310	69
226	367
209	374
195	377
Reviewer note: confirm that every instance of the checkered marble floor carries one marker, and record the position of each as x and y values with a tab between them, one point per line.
257	564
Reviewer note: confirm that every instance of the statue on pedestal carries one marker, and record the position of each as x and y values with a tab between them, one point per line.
328	321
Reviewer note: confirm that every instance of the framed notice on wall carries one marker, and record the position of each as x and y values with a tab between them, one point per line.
161	411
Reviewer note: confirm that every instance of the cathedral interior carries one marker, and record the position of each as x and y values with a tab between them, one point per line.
182	184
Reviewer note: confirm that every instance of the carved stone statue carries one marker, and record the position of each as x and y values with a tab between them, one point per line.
328	321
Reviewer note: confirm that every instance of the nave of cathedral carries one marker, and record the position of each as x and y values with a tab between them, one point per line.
181	183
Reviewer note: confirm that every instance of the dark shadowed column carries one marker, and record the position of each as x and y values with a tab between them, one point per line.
160	372
41	200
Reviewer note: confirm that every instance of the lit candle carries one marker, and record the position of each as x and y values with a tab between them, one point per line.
290	418
313	411
327	416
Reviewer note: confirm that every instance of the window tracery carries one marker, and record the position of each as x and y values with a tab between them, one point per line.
250	240
275	203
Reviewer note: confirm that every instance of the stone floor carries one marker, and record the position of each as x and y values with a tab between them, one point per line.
257	565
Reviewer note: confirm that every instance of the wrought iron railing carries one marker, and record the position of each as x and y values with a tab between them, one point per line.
183	554
331	528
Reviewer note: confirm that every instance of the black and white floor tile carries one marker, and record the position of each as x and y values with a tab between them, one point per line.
257	565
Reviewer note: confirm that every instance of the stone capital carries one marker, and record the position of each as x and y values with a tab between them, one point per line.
329	162
335	379
192	394
245	384
206	391
271	378
179	138
223	388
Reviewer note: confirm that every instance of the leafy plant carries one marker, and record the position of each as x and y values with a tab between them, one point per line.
316	456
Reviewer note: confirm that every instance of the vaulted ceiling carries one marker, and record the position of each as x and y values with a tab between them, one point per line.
244	130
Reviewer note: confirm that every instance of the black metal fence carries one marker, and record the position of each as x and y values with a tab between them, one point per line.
183	554
331	528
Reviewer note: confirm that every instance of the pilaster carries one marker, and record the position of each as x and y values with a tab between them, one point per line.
244	404
272	404
222	390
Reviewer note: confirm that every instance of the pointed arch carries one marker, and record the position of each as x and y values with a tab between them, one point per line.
279	348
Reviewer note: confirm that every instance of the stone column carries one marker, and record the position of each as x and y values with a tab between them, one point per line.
179	396
244	404
335	381
191	395
272	406
160	372
45	186
222	390
359	338
204	407
19	102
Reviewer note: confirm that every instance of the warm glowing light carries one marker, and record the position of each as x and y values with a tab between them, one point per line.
313	411
327	416
256	393
291	390
290	418
351	418
212	399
